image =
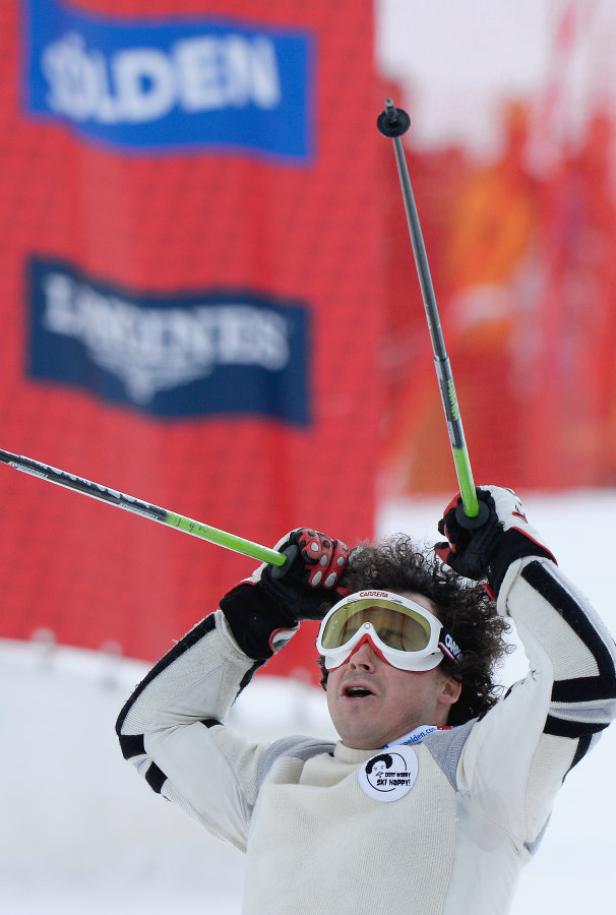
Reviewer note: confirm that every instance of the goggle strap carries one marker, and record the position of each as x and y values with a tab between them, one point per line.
450	647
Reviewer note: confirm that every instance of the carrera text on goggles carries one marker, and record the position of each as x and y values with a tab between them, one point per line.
402	632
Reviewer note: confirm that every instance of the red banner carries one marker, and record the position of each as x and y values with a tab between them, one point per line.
191	293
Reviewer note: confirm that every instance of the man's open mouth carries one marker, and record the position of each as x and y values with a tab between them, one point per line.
356	692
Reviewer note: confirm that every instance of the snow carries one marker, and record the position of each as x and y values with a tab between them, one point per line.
81	833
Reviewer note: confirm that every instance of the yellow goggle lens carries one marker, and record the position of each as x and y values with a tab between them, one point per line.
397	626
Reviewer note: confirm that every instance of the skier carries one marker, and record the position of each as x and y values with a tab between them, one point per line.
439	790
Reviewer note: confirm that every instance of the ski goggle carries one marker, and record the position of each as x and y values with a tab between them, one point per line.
402	632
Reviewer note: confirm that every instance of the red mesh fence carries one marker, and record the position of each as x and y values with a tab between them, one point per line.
174	223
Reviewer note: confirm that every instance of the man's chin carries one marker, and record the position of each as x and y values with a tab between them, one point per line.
355	722
360	739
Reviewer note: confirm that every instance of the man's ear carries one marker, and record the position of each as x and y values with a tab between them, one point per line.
450	691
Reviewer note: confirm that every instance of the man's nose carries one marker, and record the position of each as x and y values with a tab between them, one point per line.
364	658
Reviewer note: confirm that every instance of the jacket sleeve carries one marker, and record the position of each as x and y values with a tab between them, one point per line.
171	729
519	753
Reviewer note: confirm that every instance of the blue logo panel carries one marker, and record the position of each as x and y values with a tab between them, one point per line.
170	84
223	351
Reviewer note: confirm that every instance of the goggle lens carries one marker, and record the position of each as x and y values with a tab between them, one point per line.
397	626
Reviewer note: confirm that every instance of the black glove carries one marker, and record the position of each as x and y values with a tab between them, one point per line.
264	611
486	551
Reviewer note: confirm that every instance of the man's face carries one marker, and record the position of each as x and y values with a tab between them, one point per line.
397	701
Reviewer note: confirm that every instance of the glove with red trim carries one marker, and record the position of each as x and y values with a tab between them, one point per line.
485	551
307	586
265	609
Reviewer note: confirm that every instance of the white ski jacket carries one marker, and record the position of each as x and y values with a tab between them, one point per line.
316	841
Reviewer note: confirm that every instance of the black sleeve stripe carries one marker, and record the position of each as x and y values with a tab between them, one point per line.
541	579
558	727
249	675
582	689
210	722
582	749
190	639
132	745
155	778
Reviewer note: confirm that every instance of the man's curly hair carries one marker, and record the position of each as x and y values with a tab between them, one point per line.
467	612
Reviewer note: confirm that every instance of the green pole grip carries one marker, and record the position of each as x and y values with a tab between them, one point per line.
224	539
464	473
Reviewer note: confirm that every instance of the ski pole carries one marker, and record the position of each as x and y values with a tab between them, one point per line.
145	509
393	123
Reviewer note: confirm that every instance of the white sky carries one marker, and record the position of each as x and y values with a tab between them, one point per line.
461	56
456	59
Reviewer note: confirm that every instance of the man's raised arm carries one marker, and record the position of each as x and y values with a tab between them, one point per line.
549	720
172	727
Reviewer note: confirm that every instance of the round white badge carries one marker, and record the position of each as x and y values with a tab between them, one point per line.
390	774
